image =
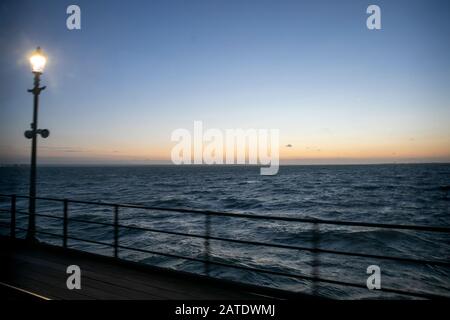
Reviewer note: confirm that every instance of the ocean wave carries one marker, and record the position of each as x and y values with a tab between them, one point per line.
405	194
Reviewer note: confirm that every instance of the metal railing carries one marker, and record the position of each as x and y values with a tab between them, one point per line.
207	261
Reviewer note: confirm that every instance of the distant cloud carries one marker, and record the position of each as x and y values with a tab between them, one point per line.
289	145
64	149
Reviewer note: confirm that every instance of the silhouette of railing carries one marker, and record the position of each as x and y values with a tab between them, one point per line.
315	249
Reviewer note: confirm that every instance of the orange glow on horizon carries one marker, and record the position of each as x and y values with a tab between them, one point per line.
296	152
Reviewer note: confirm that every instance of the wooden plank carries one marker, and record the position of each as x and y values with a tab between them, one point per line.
117	277
44	272
162	288
90	289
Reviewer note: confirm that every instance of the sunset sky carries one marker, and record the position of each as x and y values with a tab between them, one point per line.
138	70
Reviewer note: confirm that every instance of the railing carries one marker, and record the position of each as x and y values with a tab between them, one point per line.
207	237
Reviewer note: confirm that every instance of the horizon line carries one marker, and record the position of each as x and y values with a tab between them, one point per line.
214	165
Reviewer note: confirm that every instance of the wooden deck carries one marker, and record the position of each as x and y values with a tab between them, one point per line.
39	272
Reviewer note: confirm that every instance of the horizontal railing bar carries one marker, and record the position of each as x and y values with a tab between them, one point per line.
171	255
21	214
257	243
40	215
69	219
93	222
23	229
72	238
255	216
90	241
75	238
43	232
290	247
49	233
248	216
304	277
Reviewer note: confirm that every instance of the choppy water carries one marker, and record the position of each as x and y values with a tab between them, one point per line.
401	194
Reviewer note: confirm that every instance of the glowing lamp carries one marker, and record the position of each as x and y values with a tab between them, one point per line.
38	61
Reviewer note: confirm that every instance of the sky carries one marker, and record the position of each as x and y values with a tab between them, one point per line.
138	70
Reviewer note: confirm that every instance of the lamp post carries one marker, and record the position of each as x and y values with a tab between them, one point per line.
37	61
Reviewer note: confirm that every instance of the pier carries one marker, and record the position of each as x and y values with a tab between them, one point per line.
38	270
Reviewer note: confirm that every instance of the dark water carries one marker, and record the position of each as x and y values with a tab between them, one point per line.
401	194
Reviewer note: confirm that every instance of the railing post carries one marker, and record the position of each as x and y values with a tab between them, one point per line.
13	217
316	260
206	243
116	231
65	222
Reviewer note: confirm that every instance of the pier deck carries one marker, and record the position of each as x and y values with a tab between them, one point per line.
39	272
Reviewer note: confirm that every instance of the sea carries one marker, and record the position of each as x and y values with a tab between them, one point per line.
412	194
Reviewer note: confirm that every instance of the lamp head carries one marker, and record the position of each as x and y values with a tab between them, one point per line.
38	61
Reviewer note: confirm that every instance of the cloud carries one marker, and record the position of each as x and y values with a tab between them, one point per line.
64	149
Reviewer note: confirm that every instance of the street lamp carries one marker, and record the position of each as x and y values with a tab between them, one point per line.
37	61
